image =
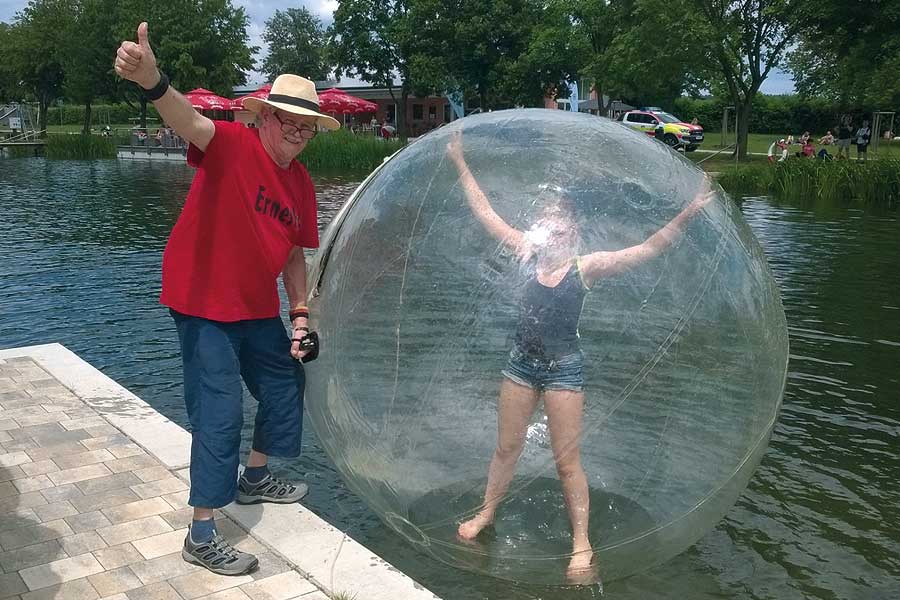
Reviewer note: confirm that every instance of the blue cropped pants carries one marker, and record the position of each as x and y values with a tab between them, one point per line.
216	356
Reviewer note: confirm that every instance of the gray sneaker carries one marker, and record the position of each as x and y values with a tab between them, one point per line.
270	489
218	556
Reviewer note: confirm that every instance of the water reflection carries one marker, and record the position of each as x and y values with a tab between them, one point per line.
81	246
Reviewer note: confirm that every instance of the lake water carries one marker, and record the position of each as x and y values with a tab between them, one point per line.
80	251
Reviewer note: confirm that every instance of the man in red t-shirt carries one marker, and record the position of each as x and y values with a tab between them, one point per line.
250	212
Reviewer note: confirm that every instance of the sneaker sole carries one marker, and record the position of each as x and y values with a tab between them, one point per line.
188	557
247	499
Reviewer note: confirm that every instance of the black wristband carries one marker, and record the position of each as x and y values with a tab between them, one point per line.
159	90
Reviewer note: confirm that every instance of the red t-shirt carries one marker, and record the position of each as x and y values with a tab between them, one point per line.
242	217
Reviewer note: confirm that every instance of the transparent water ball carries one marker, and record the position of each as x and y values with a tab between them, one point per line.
419	306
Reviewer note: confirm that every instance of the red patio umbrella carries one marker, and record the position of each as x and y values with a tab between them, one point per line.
262	93
203	99
337	101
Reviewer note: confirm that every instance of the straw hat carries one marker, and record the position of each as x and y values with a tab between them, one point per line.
296	95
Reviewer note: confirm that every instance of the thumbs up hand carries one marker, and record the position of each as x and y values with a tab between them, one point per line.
136	62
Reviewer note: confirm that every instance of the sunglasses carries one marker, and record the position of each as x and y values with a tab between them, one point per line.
290	129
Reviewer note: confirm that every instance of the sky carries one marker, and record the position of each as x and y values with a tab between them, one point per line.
259	10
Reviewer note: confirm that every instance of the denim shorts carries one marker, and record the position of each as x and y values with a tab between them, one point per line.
563	373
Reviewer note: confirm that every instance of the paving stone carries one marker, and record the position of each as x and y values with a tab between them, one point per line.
159	488
203	583
10	473
118	556
179	519
229	594
56	510
132	463
116	597
152	474
14	458
80	589
32	534
87	521
133	530
54	450
108	483
55	408
100	430
104	500
160	545
29	500
35	554
115	581
20	445
79	474
136	510
8	489
62	492
8	425
42	467
40	418
43	431
84	423
11	584
85	458
269	565
178	500
157	591
19	518
60	571
318	595
279	587
126	450
80	543
4	436
163	568
33	484
107	441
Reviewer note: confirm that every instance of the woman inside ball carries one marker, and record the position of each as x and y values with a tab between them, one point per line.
546	361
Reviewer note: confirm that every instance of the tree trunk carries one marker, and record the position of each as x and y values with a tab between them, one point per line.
42	114
743	109
402	126
143	112
86	127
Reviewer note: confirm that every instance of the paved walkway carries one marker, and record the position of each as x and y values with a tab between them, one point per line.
87	514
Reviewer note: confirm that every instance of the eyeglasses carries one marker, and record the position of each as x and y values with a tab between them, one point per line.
304	131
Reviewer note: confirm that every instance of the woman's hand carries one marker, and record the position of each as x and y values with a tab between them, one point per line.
454	148
704	196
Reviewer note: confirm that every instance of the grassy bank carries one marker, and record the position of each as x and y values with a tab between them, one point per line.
80	147
874	182
337	150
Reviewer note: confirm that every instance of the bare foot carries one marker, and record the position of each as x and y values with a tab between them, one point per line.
470	529
581	569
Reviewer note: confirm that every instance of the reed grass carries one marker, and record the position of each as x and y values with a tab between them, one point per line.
337	150
876	182
80	147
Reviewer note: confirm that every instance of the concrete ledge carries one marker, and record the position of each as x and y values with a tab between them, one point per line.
332	560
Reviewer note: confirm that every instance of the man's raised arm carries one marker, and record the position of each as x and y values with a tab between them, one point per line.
137	63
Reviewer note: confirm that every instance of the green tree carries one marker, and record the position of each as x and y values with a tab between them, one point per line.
371	40
746	40
35	44
88	46
9	84
198	43
646	51
297	45
850	53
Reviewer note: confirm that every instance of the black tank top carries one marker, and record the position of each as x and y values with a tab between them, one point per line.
548	316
